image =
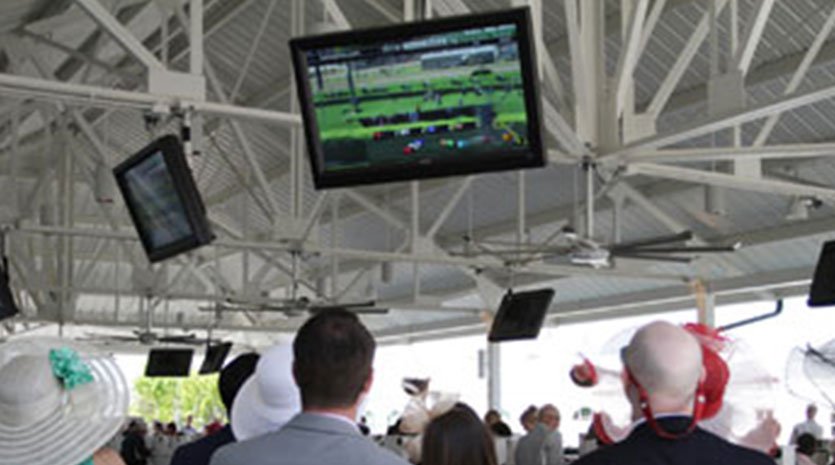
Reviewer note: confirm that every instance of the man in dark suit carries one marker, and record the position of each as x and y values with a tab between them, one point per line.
231	379
333	355
664	370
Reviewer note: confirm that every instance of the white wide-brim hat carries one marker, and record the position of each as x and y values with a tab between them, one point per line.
41	422
269	398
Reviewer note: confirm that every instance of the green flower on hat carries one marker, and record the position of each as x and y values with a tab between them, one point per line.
69	368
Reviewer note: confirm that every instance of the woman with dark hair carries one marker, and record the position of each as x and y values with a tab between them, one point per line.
458	437
806	445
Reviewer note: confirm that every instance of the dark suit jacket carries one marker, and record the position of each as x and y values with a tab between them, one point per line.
645	447
200	452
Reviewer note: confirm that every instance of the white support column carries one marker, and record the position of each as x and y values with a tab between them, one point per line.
196	54
296	184
578	70
494	376
592	23
521	207
706	312
415	236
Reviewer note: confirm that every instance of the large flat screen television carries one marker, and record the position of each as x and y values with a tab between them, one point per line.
8	307
163	200
438	98
822	291
169	362
520	315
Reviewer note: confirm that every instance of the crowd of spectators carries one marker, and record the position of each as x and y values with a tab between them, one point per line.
301	405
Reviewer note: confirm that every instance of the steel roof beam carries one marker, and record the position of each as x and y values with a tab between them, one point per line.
668	85
754	30
707	154
120	33
710	125
714	178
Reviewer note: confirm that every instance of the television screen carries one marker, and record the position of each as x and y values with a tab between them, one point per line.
822	291
215	356
169	362
163	200
437	98
520	315
8	307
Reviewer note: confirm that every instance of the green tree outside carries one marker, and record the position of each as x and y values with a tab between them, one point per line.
173	399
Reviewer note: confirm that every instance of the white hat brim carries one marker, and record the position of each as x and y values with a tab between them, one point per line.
73	433
252	417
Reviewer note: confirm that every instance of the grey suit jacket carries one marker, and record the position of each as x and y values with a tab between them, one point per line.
308	439
540	447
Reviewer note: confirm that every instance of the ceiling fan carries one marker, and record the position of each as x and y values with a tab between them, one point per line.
146	336
583	250
301	306
296	305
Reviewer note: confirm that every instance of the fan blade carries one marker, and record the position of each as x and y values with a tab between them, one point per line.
369	303
365	308
183	338
659	240
695	249
649	256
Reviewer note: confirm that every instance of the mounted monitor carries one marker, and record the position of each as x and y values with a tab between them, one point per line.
520	315
163	200
215	356
8	307
438	98
169	362
822	291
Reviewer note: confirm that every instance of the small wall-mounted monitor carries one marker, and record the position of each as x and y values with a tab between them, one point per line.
437	98
163	200
520	315
8	307
169	362
215	356
822	291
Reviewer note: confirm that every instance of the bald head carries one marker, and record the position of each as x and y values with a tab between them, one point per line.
667	361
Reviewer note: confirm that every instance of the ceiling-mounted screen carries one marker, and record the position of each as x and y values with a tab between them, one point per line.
163	200
8	307
169	362
520	315
822	291
215	356
436	98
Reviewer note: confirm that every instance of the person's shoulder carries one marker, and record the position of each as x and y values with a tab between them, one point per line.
234	453
737	454
602	456
382	456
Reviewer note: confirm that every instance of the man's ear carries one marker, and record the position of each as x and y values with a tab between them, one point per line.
295	373
366	386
